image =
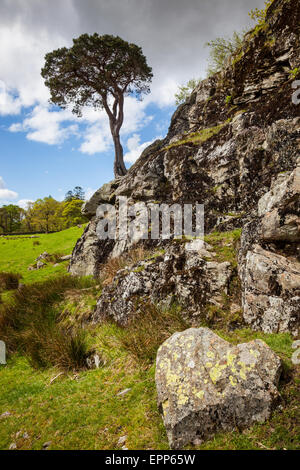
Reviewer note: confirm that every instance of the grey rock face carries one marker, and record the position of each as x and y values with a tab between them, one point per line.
205	385
271	294
269	259
104	195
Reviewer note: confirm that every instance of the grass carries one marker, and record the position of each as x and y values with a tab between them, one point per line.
150	328
84	411
17	254
81	411
225	245
75	408
198	137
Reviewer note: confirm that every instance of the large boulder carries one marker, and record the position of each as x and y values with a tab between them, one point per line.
206	385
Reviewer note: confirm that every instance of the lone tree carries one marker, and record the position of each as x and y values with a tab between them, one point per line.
98	71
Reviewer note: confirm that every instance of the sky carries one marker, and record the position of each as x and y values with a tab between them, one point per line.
47	151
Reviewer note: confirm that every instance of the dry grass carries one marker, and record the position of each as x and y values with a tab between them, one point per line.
114	265
151	326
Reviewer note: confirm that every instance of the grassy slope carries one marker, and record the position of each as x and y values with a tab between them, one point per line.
16	255
83	411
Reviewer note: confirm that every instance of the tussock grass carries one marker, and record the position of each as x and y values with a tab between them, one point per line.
151	326
29	323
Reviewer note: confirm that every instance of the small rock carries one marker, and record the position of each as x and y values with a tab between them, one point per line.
122	440
123	392
13	446
44	255
47	444
25	435
65	258
40	265
124	448
5	415
197	442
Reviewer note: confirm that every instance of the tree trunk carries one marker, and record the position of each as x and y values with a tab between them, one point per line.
119	166
116	117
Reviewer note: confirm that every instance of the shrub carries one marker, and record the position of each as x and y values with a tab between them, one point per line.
151	326
221	49
184	91
9	281
29	323
260	15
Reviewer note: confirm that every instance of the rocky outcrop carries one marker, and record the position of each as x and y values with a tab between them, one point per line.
234	146
193	279
205	385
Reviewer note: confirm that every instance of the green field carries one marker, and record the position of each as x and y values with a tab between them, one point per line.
18	253
81	409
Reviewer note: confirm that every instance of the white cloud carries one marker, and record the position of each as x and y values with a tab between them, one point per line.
135	148
6	195
8	104
23	203
43	125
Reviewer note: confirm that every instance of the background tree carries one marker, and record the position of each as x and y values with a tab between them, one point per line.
11	217
77	194
43	215
98	71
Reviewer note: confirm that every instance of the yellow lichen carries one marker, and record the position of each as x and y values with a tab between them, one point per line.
233	381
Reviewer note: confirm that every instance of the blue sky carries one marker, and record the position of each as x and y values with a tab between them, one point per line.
47	151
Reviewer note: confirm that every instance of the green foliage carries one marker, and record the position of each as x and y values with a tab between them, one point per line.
93	69
44	215
221	49
98	71
11	217
228	100
295	72
184	91
259	15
